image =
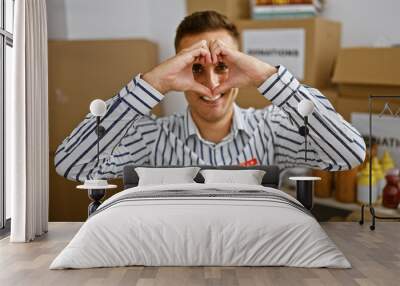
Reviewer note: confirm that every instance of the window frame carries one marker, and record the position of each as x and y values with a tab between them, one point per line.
6	39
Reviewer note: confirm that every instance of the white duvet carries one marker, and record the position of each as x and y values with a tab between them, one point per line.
190	230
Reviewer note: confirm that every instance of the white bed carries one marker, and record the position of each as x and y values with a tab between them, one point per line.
201	224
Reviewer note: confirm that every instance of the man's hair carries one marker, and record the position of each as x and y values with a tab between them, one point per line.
204	21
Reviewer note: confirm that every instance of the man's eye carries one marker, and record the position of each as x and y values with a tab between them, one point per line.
197	68
221	67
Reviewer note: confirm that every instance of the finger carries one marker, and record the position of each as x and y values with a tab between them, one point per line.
203	61
214	49
207	58
223	46
202	43
198	60
194	56
199	88
221	50
194	48
218	56
188	51
222	88
201	52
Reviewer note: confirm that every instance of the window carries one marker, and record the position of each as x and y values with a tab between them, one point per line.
6	65
9	15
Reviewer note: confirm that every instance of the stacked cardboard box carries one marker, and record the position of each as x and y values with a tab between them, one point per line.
321	43
80	71
361	72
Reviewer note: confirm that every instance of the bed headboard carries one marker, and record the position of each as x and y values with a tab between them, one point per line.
270	179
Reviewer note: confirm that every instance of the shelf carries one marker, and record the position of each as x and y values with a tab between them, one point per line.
331	202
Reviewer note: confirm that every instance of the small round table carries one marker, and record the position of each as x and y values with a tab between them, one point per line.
95	193
305	190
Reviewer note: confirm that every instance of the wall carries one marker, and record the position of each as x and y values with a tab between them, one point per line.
97	19
105	19
365	22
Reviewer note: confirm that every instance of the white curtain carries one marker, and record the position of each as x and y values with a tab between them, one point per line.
27	144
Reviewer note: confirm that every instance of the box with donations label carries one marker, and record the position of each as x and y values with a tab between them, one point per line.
385	131
307	47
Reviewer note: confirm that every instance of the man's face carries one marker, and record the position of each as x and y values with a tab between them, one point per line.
211	75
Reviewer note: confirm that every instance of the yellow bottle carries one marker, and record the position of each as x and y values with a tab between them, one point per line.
380	176
386	162
363	186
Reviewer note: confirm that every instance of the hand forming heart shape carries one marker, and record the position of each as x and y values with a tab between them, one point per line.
176	72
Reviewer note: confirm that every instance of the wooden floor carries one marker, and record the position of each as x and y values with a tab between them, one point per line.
375	256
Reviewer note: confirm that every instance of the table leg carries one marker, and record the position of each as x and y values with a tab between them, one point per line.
304	193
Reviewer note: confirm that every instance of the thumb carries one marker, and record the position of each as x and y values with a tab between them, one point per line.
199	88
223	87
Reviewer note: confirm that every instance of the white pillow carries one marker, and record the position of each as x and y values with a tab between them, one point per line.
163	176
249	177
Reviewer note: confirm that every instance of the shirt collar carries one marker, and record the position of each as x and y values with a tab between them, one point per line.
239	123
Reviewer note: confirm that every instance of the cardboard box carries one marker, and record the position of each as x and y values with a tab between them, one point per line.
79	72
361	72
317	54
233	9
331	94
385	131
251	97
346	105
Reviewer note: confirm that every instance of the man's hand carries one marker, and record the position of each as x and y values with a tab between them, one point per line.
244	70
176	73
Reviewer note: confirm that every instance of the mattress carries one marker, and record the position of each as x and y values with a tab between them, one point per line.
201	225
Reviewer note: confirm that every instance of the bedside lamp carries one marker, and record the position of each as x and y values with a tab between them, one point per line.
305	108
305	185
97	188
98	108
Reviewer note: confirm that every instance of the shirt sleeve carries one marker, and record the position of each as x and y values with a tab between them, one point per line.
333	144
126	119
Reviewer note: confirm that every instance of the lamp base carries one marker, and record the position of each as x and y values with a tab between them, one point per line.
95	195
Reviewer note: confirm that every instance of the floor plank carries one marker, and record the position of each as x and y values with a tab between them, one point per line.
374	255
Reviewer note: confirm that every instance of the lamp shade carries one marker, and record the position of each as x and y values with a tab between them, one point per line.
98	107
305	107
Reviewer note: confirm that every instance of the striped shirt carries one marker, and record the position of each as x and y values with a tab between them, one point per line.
267	136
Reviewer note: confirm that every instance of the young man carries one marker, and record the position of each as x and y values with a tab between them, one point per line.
209	68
